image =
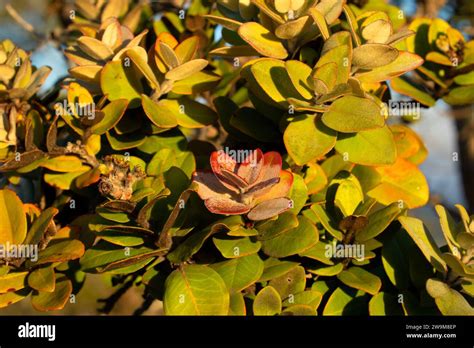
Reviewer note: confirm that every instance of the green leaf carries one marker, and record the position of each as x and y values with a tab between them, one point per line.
320	22
162	161
194	242
64	164
186	70
318	252
353	114
378	222
13	281
262	40
373	55
114	216
323	286
195	290
345	301
225	22
243	232
39	226
61	251
449	301
299	74
424	241
465	79
64	180
405	87
359	278
43	279
377	31
298	194
448	225
327	221
13	217
237	304
309	297
290	283
371	147
119	237
405	62
306	138
158	113
118	82
272	78
56	300
121	142
189	113
331	9
292	241
326	271
102	254
273	227
299	310
385	303
456	266
348	193
236	247
139	57
333	55
239	273
460	96
113	112
275	268
300	27
267	302
13	297
95	48
196	83
168	55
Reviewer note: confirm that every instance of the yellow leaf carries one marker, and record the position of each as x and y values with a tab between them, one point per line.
65	164
401	182
262	40
12	218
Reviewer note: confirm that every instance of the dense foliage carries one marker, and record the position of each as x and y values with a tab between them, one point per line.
237	157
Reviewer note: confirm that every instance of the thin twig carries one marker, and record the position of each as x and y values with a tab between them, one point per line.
148	300
22	22
111	301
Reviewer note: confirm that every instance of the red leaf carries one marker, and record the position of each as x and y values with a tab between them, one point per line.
251	167
225	206
210	186
281	189
268	209
219	159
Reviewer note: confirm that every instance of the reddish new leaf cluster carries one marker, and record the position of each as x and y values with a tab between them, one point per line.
257	185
